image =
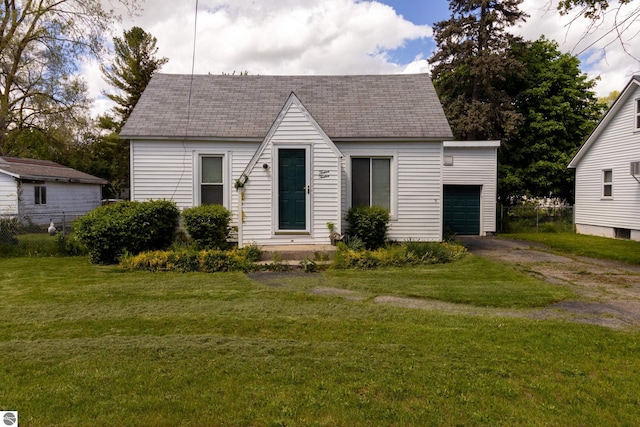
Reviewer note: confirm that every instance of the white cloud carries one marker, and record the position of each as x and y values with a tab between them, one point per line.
283	37
598	47
338	37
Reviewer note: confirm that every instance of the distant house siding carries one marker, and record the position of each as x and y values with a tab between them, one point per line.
260	204
169	169
475	166
8	195
73	199
617	145
416	184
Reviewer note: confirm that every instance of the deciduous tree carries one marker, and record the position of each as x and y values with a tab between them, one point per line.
617	20
560	108
41	42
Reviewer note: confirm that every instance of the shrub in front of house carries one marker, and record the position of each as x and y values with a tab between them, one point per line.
110	231
186	260
8	231
398	255
208	225
369	224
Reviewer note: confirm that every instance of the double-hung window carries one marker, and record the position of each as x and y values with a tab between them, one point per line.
211	180
40	195
371	181
607	183
637	115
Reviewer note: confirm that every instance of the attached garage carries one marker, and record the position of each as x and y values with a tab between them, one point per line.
469	190
462	209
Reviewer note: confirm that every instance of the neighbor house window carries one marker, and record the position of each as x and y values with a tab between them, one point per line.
40	195
637	115
211	182
371	182
607	183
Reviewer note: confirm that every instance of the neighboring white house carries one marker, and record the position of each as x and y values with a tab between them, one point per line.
302	150
35	190
608	171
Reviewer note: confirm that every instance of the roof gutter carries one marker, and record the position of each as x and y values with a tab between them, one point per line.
59	179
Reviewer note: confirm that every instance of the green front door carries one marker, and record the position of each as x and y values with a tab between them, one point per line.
292	193
462	209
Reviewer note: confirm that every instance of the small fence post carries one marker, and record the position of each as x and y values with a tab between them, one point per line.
64	225
537	219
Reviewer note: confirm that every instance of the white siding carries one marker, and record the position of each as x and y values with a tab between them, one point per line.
72	199
168	170
616	146
8	195
476	166
416	186
295	130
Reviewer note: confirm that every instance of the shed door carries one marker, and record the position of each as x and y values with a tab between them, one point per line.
462	209
292	181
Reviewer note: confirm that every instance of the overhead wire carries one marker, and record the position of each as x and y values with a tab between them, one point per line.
190	92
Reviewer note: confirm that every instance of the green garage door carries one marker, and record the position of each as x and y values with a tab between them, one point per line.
462	209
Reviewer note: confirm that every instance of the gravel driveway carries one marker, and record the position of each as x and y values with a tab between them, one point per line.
608	292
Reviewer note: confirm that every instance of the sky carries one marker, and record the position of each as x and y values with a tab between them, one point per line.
347	37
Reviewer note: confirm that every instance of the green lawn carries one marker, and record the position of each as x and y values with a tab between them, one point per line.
85	345
591	246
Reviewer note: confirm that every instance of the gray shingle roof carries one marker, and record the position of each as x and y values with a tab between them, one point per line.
44	170
346	107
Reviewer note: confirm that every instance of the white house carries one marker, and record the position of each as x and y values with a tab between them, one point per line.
608	171
39	189
289	154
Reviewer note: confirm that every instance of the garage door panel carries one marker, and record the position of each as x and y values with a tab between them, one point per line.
462	209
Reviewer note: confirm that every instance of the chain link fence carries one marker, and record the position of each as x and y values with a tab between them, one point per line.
14	226
535	219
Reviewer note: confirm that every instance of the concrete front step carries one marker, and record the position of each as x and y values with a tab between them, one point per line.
297	252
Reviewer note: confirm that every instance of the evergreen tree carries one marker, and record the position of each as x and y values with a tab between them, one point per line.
472	66
133	66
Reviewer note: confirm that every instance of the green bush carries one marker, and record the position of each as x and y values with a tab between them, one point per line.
69	245
8	230
370	224
187	260
208	225
408	253
111	230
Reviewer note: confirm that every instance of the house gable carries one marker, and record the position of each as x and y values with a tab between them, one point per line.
297	104
625	96
293	129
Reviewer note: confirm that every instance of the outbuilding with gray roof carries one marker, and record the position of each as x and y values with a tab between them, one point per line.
35	191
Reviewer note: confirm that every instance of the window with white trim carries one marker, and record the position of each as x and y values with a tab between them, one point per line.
637	115
40	195
211	180
607	183
371	181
